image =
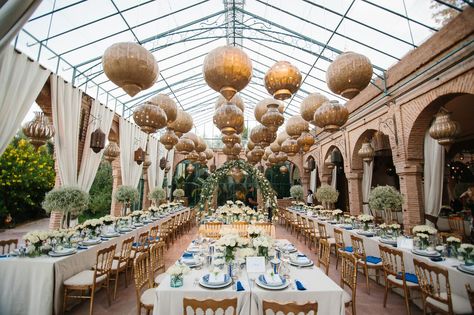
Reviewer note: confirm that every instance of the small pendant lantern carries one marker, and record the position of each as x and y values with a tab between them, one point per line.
139	156
97	140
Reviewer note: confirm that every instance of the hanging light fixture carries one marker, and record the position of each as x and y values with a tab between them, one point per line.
282	157
305	141
273	159
167	104
282	80
310	165
261	107
169	139
236	99
149	117
250	145
236	149
97	140
201	146
273	119
163	163
331	116
227	70
283	169
349	74
112	151
266	153
310	104
228	118
130	66
444	129
193	156
182	124
229	140
290	147
366	152
262	136
38	130
295	126
275	147
139	156
282	136
258	152
209	153
184	145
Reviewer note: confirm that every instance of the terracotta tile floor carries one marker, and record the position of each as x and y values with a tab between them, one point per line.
126	297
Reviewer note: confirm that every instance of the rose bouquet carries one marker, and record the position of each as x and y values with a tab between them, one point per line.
365	219
176	272
34	241
466	250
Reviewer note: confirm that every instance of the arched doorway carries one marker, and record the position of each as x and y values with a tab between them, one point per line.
334	161
282	176
189	176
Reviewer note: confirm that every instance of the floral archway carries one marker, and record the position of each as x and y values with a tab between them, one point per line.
212	181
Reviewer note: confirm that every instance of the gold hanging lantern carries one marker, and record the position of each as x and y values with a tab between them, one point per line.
282	157
202	158
236	149
366	152
262	136
295	126
192	156
290	147
139	156
349	74
182	124
229	140
380	141
331	116
112	151
209	153
149	117
250	145
310	104
227	70
167	104
236	99
273	158
328	163
258	152
38	130
305	141
130	66
190	169
444	129
169	139
252	158
310	165
283	169
275	147
282	136
272	119
163	163
228	118
261	107
266	153
201	146
193	137
184	145
97	140
282	80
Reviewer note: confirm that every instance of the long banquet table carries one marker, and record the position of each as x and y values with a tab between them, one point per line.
320	288
35	285
457	279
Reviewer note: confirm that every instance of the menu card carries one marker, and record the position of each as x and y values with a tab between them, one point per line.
255	264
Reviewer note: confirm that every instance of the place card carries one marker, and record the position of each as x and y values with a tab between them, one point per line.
255	264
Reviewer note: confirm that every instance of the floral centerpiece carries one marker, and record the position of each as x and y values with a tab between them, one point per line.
176	272
137	215
254	231
395	229
109	220
242	253
229	243
466	250
263	245
453	245
34	241
423	233
92	227
337	214
365	219
61	237
327	195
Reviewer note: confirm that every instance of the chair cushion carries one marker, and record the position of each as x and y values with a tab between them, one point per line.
348	249
115	264
461	304
331	241
373	260
347	297
159	279
148	297
409	277
83	278
398	281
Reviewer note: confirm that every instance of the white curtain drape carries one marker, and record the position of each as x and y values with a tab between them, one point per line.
367	184
433	175
161	173
152	171
13	15
334	177
100	117
312	180
21	80
171	172
66	106
131	138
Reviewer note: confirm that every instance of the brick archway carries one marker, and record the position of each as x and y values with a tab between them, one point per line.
356	160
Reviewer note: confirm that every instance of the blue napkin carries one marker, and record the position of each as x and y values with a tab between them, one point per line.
299	285
373	260
187	255
239	286
135	244
436	258
348	249
82	247
3	256
348	228
301	255
409	277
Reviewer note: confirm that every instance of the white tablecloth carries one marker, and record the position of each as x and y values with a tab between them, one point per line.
35	285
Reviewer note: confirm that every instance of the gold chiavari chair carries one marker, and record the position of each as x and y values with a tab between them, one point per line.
436	290
213	229
209	304
91	279
456	225
6	246
299	226
164	232
141	245
144	290
395	275
349	278
293	308
324	254
154	234
294	223
266	227
313	234
287	215
157	258
323	234
340	245
366	262
120	263
241	227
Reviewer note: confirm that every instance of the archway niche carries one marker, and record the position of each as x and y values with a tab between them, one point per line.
338	176
189	176
282	176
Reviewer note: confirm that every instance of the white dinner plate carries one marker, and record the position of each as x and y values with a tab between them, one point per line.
426	253
365	233
466	269
389	241
110	235
204	282
91	242
63	252
260	281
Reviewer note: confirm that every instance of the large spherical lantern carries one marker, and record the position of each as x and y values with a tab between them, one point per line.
262	136
282	80
193	137
169	139
184	145
192	156
273	119
258	152
310	104
227	70
237	100
38	130
444	129
349	74
209	153
182	124
229	140
273	158
331	116
202	158
201	146
266	153
305	141
295	126
282	157
167	104
262	107
252	158
290	146
275	147
130	66
250	145
366	152
282	136
149	117
236	149
112	151
228	118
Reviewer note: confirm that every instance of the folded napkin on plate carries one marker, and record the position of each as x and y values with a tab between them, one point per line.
272	279
239	286
301	258
408	277
373	260
187	255
216	278
299	285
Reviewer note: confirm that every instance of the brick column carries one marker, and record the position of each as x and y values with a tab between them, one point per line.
56	217
412	191
146	202
116	208
354	183
305	183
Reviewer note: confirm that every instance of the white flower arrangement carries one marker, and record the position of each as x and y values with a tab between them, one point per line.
137	213
108	219
337	212
178	270
239	203
383	226
452	240
425	229
229	202
36	238
218	261
422	236
254	231
154	209
92	223
348	220
242	253
394	226
366	218
318	207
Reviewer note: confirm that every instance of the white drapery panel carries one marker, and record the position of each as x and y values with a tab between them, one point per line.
66	106
334	177
433	175
21	80
13	15
152	171
170	163
161	173
367	184
100	117
312	179
131	138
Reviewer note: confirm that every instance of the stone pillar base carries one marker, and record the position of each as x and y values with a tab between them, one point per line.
55	220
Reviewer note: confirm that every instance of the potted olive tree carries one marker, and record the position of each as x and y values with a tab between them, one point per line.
327	195
156	196
126	195
178	194
70	201
386	199
296	192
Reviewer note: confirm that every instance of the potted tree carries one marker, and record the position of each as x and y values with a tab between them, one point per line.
126	195
156	196
71	201
296	192
178	194
386	199
327	195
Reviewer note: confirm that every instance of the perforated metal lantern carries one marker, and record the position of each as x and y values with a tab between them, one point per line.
366	152
328	163
273	119
258	152
250	145
236	99
139	156
229	140
273	158
275	147
149	117
192	136
282	80
192	156
228	118
331	116
227	70
182	124
169	139
209	153
282	157
184	145
262	136
310	104
262	107
97	140
38	130
305	141
112	151
444	129
168	105
202	146
281	137
236	149
163	163
290	147
130	66
295	126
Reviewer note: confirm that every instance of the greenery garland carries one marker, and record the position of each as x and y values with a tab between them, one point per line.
212	181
